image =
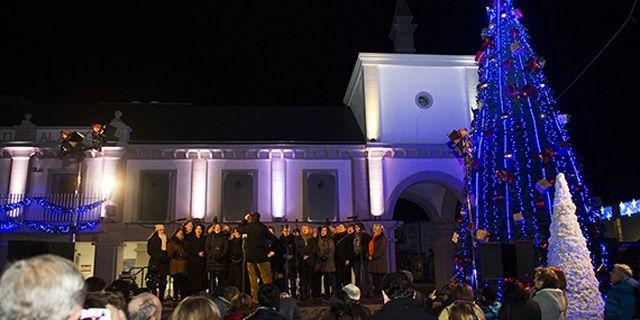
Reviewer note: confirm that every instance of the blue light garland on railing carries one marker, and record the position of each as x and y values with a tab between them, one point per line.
13	224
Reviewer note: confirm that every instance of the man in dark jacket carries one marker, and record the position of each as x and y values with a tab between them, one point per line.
344	255
258	252
398	294
306	250
269	300
216	249
622	298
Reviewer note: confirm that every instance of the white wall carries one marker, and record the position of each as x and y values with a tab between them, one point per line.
401	121
214	183
182	187
295	185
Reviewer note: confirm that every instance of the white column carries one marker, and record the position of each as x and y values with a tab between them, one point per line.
376	180
278	184
198	188
19	168
92	177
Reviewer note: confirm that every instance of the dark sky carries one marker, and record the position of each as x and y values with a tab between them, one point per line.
240	52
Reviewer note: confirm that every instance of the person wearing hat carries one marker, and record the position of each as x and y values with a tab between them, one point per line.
158	261
357	309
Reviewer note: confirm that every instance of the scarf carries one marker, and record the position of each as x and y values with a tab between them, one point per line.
356	244
372	244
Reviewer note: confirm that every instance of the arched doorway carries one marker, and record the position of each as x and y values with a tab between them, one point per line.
427	208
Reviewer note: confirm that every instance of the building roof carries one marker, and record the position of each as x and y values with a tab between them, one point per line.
183	122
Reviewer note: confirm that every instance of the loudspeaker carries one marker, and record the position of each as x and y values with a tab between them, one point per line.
25	249
499	260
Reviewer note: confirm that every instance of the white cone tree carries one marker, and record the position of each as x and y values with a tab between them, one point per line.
568	250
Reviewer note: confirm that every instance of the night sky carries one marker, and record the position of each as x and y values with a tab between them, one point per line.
242	52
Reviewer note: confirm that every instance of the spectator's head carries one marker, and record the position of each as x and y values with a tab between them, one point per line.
159	228
513	292
243	303
408	274
360	227
489	294
95	284
396	286
236	234
462	310
562	278
145	306
230	292
340	303
42	287
210	229
352	291
620	272
341	228
306	230
124	287
217	228
113	301
286	231
196	308
546	278
252	217
269	296
178	234
462	291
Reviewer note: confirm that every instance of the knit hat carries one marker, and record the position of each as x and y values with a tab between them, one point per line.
352	291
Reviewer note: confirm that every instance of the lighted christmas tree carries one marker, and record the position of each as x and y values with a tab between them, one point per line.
518	146
568	249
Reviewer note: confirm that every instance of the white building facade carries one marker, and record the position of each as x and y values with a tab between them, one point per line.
404	104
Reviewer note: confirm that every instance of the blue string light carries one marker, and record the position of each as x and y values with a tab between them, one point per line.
13	224
519	142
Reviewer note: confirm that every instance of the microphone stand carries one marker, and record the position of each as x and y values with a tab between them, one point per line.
244	262
295	248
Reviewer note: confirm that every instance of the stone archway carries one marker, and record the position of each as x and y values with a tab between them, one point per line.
438	195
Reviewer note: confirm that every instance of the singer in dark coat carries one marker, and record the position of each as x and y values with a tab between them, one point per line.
289	258
216	248
306	250
195	260
235	260
344	255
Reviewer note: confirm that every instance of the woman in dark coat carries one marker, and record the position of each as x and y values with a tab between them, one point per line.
195	259
158	261
377	256
235	260
178	264
325	261
360	262
517	304
216	249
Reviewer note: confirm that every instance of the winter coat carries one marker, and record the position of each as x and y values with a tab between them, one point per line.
177	257
217	248
277	260
266	314
195	263
444	315
361	311
525	310
325	256
258	240
378	262
289	308
289	250
158	258
344	247
552	302
402	309
306	248
235	250
622	300
364	245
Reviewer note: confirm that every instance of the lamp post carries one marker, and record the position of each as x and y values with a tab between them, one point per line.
74	145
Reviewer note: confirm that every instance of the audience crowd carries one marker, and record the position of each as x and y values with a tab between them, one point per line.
50	287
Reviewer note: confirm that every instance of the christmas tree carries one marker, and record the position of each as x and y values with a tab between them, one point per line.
518	145
568	250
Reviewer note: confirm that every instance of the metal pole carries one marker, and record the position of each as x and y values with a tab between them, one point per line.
76	195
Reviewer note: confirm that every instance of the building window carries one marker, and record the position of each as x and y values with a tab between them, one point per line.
320	196
62	182
157	190
239	194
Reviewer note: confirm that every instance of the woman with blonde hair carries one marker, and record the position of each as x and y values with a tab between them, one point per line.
196	308
377	256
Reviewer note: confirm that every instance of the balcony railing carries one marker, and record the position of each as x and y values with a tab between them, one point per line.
56	208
